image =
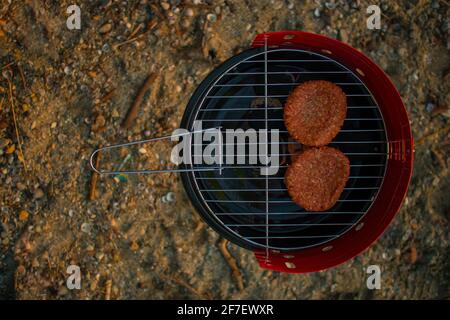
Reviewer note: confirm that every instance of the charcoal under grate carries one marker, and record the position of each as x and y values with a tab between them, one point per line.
256	211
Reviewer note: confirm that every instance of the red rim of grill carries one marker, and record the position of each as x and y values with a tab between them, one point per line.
394	140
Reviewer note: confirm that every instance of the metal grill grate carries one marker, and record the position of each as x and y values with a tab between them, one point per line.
257	209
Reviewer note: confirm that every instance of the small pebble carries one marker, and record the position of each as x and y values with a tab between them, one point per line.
147	133
185	23
115	225
99	123
38	193
106	48
67	70
115	113
330	5
35	263
134	246
142	150
120	178
317	12
61	137
169	197
105	28
189	12
430	106
86	227
21	269
165	5
21	186
211	17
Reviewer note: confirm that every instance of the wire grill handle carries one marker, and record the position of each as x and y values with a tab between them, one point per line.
115	146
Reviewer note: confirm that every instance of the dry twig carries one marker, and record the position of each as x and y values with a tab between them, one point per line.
186	285
237	274
205	50
108	286
107	96
22	76
8	65
133	111
135	31
150	26
19	141
118	45
432	135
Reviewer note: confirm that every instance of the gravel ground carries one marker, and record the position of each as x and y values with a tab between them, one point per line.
141	239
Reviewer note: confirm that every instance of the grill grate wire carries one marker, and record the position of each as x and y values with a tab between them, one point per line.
257	209
239	197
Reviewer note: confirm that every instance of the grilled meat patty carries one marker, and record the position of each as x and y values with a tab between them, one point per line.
315	112
317	177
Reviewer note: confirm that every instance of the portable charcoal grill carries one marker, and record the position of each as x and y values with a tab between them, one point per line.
255	211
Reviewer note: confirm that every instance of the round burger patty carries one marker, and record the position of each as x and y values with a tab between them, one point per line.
314	112
317	177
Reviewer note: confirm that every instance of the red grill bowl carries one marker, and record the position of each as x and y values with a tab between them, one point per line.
399	165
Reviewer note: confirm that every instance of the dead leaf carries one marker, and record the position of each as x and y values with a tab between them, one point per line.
134	246
23	215
11	149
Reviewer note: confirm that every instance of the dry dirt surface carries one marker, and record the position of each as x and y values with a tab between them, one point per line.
65	92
